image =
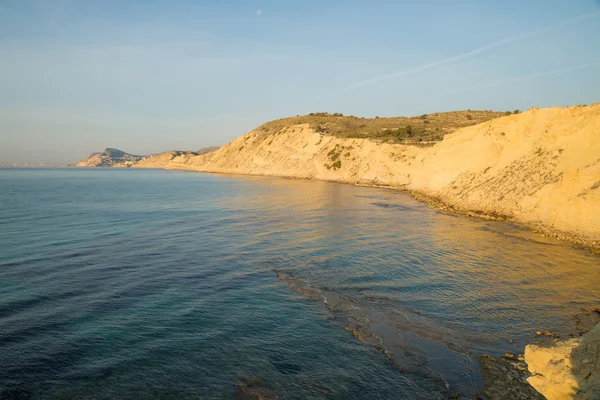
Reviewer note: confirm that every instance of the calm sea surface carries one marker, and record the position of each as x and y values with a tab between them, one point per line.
149	284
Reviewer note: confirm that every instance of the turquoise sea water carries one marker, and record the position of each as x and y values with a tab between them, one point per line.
164	285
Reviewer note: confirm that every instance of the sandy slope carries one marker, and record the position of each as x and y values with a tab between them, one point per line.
540	168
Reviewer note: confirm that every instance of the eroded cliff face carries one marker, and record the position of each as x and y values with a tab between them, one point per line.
540	168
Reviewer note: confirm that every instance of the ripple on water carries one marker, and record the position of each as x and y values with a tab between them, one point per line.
154	284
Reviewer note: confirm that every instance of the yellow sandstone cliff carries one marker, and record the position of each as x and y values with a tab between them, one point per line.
540	168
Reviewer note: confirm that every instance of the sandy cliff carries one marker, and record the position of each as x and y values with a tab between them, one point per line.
540	168
568	369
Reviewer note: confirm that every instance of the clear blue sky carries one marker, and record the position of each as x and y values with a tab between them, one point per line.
145	76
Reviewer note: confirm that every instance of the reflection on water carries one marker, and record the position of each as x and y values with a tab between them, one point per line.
431	289
153	284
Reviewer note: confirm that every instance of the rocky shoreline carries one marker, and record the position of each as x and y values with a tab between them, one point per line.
552	367
568	369
532	375
593	246
506	378
439	204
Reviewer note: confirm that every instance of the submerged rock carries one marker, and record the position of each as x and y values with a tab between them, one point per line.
401	337
547	333
567	369
253	388
506	378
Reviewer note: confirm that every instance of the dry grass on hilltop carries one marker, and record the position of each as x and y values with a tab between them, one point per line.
426	128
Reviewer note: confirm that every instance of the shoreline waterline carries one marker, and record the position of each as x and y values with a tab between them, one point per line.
189	259
434	202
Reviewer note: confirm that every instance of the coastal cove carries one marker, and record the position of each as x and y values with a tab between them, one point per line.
299	200
539	169
169	283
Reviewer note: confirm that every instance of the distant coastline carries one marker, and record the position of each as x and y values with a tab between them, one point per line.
33	165
545	178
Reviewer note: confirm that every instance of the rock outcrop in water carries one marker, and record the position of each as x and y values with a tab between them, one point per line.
568	369
540	168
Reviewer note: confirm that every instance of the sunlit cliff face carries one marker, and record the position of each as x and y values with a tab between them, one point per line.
539	168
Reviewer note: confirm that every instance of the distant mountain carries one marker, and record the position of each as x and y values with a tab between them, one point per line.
207	150
109	158
114	158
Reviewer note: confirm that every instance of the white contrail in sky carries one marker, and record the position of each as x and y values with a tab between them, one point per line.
472	53
521	78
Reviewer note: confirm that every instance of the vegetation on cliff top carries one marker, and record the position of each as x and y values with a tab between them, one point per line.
426	128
